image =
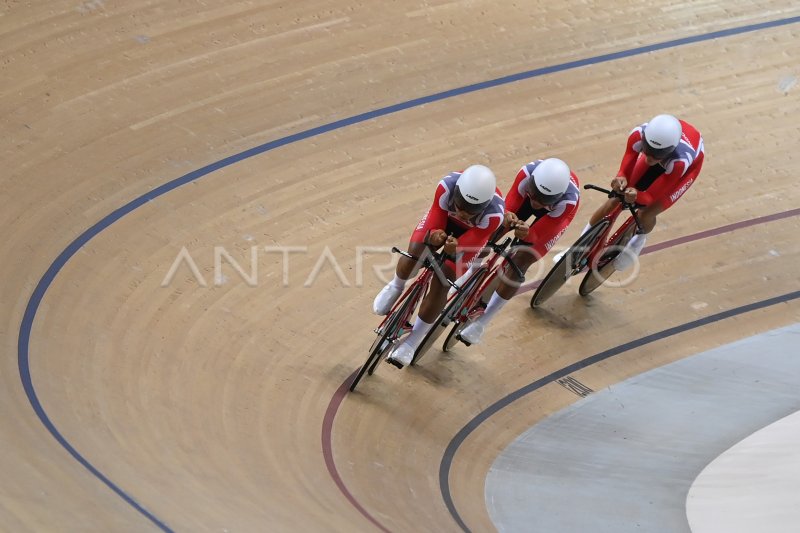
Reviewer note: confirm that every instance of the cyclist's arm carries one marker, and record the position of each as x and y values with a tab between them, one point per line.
630	156
515	198
474	239
436	218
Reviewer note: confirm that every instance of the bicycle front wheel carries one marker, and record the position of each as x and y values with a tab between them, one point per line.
386	337
572	262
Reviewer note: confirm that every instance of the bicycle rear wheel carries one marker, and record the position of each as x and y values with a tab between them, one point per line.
449	314
599	273
571	263
452	337
386	337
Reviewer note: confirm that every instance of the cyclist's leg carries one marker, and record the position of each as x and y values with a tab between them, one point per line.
475	264
430	308
666	194
407	268
434	301
524	256
630	253
606	208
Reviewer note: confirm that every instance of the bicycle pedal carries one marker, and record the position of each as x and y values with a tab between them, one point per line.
462	340
393	362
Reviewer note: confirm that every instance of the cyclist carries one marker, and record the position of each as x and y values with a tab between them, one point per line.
550	193
467	209
662	160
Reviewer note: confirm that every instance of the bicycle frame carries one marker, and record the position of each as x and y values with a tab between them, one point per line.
397	321
472	307
424	279
593	251
601	244
430	265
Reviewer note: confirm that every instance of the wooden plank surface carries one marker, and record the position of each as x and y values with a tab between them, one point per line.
205	405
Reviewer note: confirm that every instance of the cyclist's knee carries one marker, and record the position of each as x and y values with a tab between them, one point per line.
449	273
523	258
406	266
648	218
509	277
507	289
416	248
603	210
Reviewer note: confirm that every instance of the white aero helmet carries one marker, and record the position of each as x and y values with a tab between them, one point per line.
475	189
661	136
549	181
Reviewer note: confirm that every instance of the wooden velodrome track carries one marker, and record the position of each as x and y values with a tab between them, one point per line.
132	406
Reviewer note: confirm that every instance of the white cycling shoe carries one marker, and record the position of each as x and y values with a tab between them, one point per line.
630	254
473	332
385	299
403	354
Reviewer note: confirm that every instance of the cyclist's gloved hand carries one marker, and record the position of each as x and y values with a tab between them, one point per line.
450	245
619	183
436	238
521	230
510	219
630	195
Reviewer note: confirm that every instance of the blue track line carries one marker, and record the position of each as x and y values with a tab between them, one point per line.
47	279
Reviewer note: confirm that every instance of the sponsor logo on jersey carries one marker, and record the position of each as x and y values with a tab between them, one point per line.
677	194
552	241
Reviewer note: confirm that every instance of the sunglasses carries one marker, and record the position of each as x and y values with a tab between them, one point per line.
541	198
655	153
462	205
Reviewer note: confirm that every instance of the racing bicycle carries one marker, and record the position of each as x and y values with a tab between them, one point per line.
471	300
397	322
594	252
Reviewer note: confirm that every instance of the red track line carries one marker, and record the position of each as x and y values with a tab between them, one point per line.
696	237
327	449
